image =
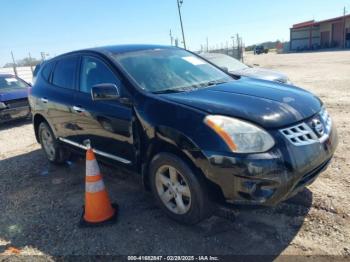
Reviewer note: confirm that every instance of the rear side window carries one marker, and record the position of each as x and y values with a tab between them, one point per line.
65	71
46	72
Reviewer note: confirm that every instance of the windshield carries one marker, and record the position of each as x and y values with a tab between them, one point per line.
11	82
225	61
162	70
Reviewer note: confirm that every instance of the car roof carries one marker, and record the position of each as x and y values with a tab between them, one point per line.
117	49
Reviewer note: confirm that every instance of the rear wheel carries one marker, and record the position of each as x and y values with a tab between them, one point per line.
179	192
54	152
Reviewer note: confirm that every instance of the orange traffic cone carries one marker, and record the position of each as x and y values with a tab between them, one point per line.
98	208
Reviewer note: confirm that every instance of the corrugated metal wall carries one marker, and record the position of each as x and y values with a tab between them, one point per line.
300	38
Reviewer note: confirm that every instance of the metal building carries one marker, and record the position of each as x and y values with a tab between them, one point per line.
313	35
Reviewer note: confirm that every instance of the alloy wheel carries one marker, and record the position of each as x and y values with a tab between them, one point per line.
173	189
48	143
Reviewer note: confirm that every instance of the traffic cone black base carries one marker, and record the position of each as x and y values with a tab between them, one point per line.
107	222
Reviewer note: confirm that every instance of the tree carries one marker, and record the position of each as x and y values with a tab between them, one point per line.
7	65
27	61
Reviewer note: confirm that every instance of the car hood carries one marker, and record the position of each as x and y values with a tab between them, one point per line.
261	73
265	103
13	93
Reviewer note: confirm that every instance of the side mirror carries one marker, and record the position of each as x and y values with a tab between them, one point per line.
105	92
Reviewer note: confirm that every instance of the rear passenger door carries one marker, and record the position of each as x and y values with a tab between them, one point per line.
58	98
108	124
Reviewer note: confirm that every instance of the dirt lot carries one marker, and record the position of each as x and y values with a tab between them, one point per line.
41	204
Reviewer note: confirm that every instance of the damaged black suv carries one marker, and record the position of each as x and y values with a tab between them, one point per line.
195	134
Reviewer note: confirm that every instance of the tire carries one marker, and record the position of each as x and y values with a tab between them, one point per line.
54	152
177	190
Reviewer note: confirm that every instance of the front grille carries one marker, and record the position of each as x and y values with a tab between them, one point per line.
17	103
302	134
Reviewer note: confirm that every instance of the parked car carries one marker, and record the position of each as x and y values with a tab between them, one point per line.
13	98
236	67
260	49
196	135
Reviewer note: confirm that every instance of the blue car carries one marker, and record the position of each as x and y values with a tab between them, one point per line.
13	98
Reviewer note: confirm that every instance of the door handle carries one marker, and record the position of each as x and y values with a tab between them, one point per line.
44	100
78	109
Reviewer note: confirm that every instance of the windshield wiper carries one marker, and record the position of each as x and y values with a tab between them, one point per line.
191	87
214	83
169	91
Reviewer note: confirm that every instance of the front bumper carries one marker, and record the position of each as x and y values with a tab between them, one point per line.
14	113
269	178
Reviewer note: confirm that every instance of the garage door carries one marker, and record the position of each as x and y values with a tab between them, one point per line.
337	34
325	37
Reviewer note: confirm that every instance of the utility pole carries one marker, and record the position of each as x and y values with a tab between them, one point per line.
344	28
179	4
233	42
176	42
14	64
207	44
171	38
30	62
42	56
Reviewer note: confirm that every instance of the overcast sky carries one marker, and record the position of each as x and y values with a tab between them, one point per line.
57	26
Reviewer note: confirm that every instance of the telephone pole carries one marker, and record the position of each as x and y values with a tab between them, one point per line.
233	42
30	62
171	38
179	4
14	64
344	28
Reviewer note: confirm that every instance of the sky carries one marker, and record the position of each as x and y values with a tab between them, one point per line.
58	26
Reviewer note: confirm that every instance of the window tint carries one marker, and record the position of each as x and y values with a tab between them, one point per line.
64	73
46	70
94	72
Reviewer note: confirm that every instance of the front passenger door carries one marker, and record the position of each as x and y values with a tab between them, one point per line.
108	124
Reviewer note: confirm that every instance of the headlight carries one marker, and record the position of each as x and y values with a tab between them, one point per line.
2	105
240	136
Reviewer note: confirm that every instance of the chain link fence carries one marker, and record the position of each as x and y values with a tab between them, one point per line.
235	50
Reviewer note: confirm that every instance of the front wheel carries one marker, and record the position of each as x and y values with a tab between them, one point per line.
178	191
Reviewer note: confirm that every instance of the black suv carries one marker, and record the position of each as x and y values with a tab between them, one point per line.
195	134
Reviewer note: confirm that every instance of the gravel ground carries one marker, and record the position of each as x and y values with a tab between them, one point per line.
41	204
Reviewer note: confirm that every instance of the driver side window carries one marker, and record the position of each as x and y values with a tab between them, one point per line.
95	72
